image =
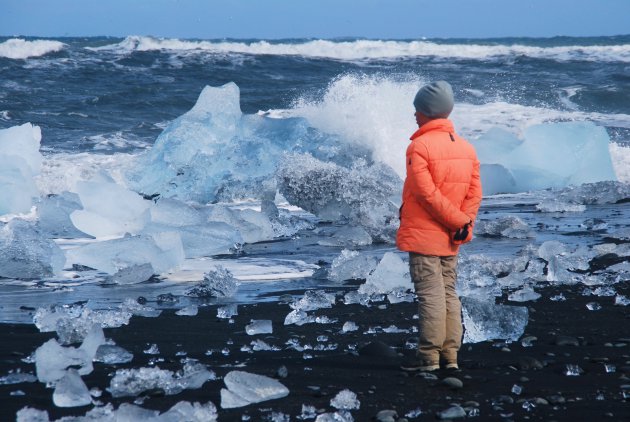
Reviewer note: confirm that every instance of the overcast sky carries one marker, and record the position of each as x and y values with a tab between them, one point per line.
273	19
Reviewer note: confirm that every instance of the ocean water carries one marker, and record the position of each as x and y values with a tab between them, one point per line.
100	102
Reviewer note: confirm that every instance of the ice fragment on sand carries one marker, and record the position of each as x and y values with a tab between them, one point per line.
621	300
218	282
26	254
339	416
525	294
20	161
349	326
351	265
51	361
111	354
345	400
191	310
259	326
227	311
484	320
28	414
298	317
17	378
133	274
553	205
593	306
509	226
607	192
391	273
71	391
314	299
131	382
244	388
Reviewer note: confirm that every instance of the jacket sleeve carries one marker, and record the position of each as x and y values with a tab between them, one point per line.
472	201
427	194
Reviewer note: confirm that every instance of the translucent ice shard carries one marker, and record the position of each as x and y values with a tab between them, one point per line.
51	361
244	388
345	400
484	320
259	326
25	253
111	354
314	299
351	265
53	213
227	311
553	205
71	391
525	294
216	283
508	226
391	273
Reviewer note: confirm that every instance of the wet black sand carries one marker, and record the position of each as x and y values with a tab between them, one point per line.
489	370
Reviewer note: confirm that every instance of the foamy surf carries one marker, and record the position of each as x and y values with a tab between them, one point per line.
17	48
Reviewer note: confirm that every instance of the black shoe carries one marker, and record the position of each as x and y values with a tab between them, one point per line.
416	364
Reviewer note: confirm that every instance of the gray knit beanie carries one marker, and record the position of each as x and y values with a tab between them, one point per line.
435	100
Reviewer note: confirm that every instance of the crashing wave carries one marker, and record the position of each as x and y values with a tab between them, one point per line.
17	48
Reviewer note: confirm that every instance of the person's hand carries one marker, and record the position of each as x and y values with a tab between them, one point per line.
462	233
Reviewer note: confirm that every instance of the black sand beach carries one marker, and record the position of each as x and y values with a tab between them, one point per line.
566	333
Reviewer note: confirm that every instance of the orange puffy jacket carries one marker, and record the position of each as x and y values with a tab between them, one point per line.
442	191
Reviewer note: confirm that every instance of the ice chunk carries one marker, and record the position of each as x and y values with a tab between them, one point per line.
54	318
209	239
509	226
53	213
349	326
314	299
351	265
496	179
400	294
111	354
17	378
227	311
25	253
360	195
244	388
348	236
345	400
163	251
553	205
484	320
133	274
51	361
71	391
28	414
621	300
195	412
525	294
20	162
131	382
533	162
191	310
607	192
218	282
109	209
259	326
391	273
174	213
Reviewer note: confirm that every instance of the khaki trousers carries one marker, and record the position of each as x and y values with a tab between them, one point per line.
439	307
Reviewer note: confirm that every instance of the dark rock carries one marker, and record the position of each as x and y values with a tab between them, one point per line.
282	372
566	341
452	382
525	363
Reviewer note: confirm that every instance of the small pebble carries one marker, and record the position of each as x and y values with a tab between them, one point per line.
567	341
452	382
387	416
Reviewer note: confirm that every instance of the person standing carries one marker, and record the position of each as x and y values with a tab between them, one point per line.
441	198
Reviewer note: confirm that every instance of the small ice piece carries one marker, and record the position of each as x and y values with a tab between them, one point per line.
218	282
71	391
607	192
25	253
339	416
594	224
152	350
191	310
195	412
488	321
509	226
227	311
558	298
244	388
391	273
351	265
308	412
51	361
621	300
349	326
354	296
132	306
517	389
348	236
610	368
298	317
399	295
553	205
131	382
259	345
28	414
314	299
525	294
572	370
17	378
133	274
345	400
259	326
111	354
414	413
593	306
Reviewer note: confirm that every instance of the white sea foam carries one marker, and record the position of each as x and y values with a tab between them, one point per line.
17	48
377	49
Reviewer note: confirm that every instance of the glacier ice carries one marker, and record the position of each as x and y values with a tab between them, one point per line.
190	310
259	326
484	320
218	282
533	164
361	195
227	311
244	388
351	265
20	162
212	238
507	226
606	192
109	210
71	391
345	400
163	251
111	354
553	205
17	378
25	253
53	214
313	300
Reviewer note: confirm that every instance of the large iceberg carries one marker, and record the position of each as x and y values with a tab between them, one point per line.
20	162
550	155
